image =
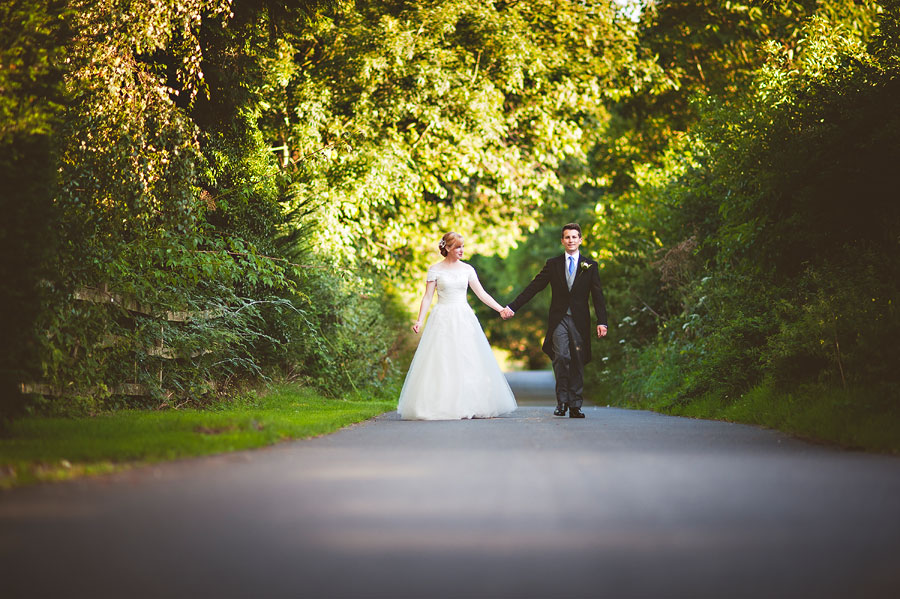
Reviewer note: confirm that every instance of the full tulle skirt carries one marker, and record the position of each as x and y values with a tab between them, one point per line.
454	374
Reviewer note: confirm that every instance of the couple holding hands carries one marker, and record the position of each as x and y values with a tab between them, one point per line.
454	374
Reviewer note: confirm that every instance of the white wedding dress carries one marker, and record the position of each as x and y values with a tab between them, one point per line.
454	374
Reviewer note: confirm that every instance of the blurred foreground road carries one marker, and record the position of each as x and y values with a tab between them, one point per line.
621	504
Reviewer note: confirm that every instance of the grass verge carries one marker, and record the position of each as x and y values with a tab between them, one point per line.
854	419
36	449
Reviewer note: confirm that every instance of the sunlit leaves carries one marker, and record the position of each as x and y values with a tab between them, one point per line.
459	116
32	35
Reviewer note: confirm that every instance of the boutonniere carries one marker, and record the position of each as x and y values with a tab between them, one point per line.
584	265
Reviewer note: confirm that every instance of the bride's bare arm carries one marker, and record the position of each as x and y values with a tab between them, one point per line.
426	303
483	295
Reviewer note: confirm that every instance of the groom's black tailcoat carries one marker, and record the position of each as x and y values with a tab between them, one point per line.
586	284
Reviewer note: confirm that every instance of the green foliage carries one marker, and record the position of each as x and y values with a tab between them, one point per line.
448	115
250	188
786	188
31	100
172	271
354	342
137	228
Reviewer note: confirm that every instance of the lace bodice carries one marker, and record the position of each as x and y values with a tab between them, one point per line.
452	283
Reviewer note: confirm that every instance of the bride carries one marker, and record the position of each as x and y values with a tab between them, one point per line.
453	374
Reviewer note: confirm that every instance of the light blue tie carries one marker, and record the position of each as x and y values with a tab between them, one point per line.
571	265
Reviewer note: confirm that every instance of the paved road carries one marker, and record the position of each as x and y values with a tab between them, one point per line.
621	504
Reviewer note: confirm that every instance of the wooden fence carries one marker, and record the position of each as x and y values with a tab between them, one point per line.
102	295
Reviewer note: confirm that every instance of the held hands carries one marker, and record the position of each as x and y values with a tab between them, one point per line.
506	313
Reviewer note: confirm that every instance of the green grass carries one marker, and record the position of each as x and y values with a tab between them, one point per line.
854	419
35	449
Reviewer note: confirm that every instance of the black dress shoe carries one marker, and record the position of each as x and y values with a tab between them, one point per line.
560	410
576	413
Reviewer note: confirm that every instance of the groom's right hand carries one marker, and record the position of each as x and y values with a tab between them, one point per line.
506	313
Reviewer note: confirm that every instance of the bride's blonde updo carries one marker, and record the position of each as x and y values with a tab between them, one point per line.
449	241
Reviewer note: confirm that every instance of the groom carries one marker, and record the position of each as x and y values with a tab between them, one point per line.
572	278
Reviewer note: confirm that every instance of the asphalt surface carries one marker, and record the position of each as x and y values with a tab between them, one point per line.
620	504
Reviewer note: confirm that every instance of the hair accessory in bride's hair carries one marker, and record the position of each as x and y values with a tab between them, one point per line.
442	244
